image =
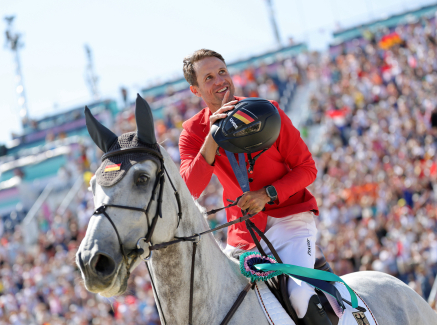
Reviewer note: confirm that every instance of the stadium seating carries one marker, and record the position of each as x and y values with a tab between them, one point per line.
373	103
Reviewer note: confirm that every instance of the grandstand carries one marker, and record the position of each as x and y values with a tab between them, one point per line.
374	99
33	160
364	109
172	92
342	38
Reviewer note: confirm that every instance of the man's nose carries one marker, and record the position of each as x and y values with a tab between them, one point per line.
219	80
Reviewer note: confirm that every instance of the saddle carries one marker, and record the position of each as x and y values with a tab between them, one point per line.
278	286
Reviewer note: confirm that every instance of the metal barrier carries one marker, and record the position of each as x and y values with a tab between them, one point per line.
70	196
30	225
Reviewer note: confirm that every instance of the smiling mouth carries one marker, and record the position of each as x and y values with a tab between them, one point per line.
224	89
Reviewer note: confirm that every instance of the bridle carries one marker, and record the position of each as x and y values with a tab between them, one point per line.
147	240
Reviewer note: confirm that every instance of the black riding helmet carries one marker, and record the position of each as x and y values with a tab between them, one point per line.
253	125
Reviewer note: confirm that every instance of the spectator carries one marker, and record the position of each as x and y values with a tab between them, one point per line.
377	161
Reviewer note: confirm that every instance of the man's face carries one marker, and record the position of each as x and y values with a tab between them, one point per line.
213	81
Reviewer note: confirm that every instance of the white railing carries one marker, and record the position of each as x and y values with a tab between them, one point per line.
70	195
30	225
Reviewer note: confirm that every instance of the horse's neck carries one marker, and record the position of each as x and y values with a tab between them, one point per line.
217	281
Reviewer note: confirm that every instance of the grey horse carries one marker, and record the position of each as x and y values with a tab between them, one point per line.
217	280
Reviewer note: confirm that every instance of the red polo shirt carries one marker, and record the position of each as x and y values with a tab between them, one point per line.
287	165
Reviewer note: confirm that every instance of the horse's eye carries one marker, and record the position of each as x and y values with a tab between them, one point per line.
142	179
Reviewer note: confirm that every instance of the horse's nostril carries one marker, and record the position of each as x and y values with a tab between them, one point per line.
104	265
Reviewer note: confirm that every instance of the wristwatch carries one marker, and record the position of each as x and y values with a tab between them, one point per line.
272	194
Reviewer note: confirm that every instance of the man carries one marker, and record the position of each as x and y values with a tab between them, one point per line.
287	168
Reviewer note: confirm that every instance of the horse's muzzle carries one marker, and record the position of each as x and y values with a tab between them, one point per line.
98	271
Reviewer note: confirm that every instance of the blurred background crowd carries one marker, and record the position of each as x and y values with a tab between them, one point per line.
370	122
377	171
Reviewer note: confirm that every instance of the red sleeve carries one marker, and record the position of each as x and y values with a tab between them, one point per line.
297	156
195	171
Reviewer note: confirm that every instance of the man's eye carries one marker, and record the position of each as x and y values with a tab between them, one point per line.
143	179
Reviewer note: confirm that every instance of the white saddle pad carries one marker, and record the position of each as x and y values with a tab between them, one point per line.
276	314
351	316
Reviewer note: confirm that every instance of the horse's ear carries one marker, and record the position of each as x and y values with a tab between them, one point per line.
144	118
102	136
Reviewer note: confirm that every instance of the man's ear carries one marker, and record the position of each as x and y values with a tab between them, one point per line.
195	91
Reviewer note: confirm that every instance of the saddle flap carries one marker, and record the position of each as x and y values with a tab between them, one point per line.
275	313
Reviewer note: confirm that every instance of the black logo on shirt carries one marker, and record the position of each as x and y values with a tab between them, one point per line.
309	247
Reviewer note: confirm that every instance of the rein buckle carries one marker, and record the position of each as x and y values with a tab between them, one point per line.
100	209
199	238
141	250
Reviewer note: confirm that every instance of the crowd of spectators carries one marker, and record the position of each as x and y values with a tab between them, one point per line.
376	165
42	285
377	171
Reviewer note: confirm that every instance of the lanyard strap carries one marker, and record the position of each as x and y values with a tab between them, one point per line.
239	169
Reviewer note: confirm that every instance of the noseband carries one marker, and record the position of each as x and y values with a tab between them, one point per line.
138	251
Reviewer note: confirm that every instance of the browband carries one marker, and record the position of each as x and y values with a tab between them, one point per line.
129	150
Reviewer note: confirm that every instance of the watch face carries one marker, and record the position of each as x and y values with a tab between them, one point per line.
271	191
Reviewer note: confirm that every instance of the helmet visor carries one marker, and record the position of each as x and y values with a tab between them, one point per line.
248	130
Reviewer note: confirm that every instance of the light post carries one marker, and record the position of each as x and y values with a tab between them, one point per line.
273	22
90	75
14	44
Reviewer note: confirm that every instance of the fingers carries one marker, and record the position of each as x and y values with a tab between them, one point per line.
255	211
227	107
242	204
220	113
255	208
248	202
215	117
252	202
226	97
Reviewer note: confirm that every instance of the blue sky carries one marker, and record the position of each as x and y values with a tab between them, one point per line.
138	42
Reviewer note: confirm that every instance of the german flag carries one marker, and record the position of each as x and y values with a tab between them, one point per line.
243	117
387	41
111	168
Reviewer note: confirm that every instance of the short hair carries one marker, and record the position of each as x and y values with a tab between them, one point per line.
189	72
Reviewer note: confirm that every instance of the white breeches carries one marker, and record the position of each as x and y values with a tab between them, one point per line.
294	239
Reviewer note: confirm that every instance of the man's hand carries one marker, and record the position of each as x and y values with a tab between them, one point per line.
226	106
209	147
254	201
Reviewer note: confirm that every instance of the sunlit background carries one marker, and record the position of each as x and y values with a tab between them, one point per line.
357	78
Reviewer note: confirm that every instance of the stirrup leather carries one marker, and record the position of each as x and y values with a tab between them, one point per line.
315	315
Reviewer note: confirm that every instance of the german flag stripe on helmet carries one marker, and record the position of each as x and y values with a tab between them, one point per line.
243	117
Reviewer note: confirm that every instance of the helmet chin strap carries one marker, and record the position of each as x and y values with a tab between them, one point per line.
252	160
239	167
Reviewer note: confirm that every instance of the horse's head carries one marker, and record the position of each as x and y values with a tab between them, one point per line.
130	175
